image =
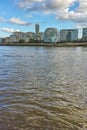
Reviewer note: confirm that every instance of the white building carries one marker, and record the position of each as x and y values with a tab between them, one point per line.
40	37
29	36
7	40
13	38
18	36
68	35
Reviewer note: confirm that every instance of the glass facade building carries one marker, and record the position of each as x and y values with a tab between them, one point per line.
84	34
68	35
51	35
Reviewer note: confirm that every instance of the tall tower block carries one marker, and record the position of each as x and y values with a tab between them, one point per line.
37	31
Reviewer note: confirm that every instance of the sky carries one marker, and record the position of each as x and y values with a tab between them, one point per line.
22	15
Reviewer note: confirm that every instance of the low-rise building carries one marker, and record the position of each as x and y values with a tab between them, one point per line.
29	36
21	36
13	38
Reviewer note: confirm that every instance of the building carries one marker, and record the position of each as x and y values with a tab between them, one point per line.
3	41
41	36
63	35
69	35
73	34
13	38
84	34
36	31
0	40
29	36
17	36
51	35
8	40
21	37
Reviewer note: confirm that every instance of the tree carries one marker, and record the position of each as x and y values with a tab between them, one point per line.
31	40
21	41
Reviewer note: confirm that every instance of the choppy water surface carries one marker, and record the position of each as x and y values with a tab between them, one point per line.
43	88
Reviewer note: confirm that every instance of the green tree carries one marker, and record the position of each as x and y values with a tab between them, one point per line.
21	41
31	40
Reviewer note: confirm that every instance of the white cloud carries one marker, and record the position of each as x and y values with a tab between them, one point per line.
79	16
9	30
83	6
60	8
14	20
27	3
44	4
58	4
17	21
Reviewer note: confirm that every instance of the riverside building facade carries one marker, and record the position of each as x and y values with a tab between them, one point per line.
69	35
20	37
51	35
84	34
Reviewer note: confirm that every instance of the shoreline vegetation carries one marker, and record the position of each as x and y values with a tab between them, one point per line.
47	44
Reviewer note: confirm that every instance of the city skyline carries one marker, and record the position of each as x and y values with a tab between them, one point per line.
22	15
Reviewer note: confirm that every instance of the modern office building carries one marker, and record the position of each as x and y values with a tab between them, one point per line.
84	34
69	35
73	34
63	35
37	31
51	35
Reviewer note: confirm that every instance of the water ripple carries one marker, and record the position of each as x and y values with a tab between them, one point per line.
43	88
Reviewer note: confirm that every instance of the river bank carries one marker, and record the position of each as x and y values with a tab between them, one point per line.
46	44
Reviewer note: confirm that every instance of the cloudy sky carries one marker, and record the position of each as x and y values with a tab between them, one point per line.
22	15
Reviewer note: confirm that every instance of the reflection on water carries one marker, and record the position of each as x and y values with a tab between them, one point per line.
43	88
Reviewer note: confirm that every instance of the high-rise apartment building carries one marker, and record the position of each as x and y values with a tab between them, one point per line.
37	31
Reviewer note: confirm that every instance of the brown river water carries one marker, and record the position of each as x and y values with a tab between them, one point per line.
43	88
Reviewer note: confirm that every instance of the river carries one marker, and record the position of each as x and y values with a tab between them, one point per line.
43	88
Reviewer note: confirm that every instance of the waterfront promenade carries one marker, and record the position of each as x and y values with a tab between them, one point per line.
46	44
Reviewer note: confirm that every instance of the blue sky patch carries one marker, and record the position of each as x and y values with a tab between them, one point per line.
74	6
